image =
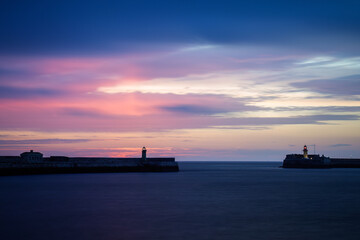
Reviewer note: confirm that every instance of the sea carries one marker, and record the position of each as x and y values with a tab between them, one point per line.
204	200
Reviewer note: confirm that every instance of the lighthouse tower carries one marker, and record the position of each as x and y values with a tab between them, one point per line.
143	155
305	150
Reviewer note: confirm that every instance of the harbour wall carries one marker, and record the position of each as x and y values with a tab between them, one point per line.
295	161
13	165
345	162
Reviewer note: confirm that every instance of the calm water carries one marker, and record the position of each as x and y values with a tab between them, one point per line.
203	201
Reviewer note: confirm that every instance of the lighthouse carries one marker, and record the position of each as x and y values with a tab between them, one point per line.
143	155
305	152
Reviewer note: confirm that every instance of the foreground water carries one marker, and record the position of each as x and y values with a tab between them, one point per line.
208	200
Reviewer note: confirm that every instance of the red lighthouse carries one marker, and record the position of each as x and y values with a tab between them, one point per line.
305	150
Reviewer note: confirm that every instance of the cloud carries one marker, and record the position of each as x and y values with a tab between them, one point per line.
8	92
84	119
5	72
222	105
340	145
192	109
316	60
349	85
87	113
43	141
322	109
253	128
203	66
307	119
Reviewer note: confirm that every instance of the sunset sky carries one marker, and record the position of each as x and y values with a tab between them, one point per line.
198	80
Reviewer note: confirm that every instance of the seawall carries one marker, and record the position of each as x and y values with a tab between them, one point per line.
345	162
12	165
295	161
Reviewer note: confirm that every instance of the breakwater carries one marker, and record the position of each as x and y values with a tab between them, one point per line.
34	163
291	162
306	160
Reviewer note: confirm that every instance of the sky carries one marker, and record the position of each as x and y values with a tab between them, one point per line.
197	80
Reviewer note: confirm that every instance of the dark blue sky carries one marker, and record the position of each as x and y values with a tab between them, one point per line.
102	27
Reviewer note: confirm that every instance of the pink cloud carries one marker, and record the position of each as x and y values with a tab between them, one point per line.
88	73
135	112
